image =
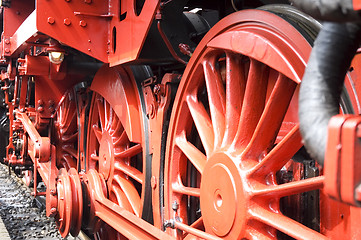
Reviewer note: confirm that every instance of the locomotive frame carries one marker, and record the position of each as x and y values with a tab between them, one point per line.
147	121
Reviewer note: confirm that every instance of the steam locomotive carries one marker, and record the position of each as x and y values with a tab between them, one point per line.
185	119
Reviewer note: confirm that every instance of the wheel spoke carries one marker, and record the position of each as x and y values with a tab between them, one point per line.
202	122
61	116
179	187
235	87
253	234
253	103
98	132
216	98
196	157
121	198
94	157
130	171
101	112
198	224
108	115
198	233
290	188
271	119
116	127
234	127
280	154
70	150
67	161
70	138
187	236
122	139
65	123
130	152
284	224
112	155
131	193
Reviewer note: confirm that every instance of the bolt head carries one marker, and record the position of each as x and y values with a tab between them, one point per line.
82	23
67	21
175	206
51	20
51	102
40	109
153	182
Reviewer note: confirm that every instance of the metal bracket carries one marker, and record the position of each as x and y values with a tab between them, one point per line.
342	168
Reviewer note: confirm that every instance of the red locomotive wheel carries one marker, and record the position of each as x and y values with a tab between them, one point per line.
234	126
70	202
66	132
116	158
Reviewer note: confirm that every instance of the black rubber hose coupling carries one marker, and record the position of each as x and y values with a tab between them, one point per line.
323	82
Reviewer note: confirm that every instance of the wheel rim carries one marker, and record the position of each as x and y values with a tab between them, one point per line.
117	159
234	125
66	132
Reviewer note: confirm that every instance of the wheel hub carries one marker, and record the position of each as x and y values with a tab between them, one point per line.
106	155
222	196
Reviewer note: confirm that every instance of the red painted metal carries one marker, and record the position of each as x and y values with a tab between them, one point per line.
38	147
76	24
70	202
114	145
233	130
342	170
158	101
111	154
66	132
28	124
59	21
120	88
123	48
67	206
34	66
356	4
64	202
249	65
14	17
117	217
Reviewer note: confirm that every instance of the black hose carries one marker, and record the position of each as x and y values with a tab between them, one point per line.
328	10
322	83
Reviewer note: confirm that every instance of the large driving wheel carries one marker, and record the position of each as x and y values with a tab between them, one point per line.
118	160
66	132
233	128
